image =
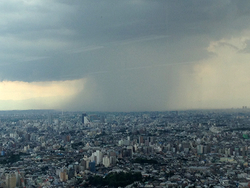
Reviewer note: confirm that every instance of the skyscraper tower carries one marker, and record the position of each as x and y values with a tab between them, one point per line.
83	115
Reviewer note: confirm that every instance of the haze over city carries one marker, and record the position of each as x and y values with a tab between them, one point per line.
131	55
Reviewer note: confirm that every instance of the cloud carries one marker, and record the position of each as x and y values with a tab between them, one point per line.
51	28
132	55
222	80
86	49
44	94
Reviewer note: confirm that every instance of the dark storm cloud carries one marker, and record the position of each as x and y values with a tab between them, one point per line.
122	47
49	28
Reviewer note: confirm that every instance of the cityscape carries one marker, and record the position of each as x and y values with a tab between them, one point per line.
124	94
195	148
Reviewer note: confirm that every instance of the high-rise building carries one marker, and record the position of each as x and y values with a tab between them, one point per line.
93	157
130	150
106	161
85	163
112	160
11	180
140	139
199	149
92	166
99	157
63	175
83	117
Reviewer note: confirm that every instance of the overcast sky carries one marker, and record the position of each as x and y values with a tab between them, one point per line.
117	55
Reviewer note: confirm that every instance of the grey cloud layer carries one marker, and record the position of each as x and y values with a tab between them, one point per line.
50	28
118	45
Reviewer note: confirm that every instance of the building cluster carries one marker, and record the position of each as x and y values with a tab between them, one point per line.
170	149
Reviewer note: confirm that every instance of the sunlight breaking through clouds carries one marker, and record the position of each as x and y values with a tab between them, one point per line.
46	94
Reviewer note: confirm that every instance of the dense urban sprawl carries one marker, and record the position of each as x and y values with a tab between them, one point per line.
205	148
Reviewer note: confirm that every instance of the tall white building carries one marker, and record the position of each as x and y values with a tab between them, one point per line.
93	157
99	156
106	161
11	180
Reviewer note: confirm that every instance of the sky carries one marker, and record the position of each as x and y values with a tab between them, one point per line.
116	55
